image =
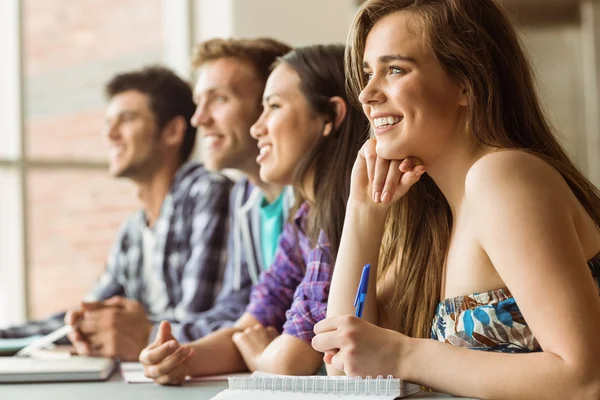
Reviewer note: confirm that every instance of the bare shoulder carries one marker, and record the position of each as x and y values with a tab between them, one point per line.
514	173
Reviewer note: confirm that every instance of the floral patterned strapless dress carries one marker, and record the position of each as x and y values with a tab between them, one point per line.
489	321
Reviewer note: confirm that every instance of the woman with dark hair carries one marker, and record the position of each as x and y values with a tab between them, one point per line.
308	135
489	234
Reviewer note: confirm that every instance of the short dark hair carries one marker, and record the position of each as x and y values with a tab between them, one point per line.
169	96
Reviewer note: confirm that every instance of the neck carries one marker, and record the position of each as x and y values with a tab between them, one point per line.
449	171
153	190
270	191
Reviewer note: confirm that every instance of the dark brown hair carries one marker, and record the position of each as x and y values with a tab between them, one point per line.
260	53
477	46
321	72
169	96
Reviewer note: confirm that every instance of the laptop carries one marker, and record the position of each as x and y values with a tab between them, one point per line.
71	369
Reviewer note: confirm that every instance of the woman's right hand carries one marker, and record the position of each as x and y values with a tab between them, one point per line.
379	181
165	359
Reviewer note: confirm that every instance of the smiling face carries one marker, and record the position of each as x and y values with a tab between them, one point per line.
132	134
227	96
287	128
413	105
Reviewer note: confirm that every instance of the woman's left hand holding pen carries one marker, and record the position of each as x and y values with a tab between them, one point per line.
360	348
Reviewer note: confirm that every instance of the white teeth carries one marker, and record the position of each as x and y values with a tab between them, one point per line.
211	139
384	121
115	151
265	150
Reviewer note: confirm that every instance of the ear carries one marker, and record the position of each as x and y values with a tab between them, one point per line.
463	100
174	131
340	108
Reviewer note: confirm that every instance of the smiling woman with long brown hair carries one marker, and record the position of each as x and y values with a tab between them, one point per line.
308	136
489	233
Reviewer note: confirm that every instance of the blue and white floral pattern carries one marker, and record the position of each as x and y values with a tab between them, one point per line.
489	321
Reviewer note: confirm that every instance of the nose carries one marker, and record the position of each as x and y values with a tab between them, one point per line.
201	116
371	94
110	131
258	129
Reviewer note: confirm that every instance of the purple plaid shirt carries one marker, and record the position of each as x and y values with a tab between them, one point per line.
292	294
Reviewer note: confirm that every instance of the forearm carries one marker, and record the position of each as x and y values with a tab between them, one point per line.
360	244
288	355
216	354
222	315
490	375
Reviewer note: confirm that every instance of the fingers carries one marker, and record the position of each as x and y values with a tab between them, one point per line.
169	366
392	180
72	316
164	332
380	173
271	331
92	305
327	324
327	342
175	377
408	179
79	343
328	356
409	163
102	344
115	301
389	179
253	335
95	321
337	361
237	337
150	356
370	156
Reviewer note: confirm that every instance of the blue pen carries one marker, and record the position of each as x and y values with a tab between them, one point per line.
361	293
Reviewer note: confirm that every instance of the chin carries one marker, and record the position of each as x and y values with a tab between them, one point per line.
270	176
211	165
390	152
115	171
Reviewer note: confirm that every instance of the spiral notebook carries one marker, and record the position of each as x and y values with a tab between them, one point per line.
262	386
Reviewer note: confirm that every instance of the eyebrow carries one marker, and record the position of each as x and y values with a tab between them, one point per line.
391	57
209	91
266	98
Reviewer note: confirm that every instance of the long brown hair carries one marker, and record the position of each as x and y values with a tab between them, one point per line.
321	72
476	44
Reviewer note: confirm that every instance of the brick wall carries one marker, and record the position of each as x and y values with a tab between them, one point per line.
73	218
71	48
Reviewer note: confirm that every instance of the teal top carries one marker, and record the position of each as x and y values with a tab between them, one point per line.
271	226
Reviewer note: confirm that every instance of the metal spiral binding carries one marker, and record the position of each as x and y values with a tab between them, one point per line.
376	386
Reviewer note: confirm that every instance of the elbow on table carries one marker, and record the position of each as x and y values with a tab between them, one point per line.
289	362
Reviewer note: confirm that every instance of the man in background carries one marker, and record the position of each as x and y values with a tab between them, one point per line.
167	262
232	74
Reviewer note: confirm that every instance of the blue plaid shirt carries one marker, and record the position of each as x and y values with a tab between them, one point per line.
189	256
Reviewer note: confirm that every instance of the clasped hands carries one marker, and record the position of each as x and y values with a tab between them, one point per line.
117	328
166	361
